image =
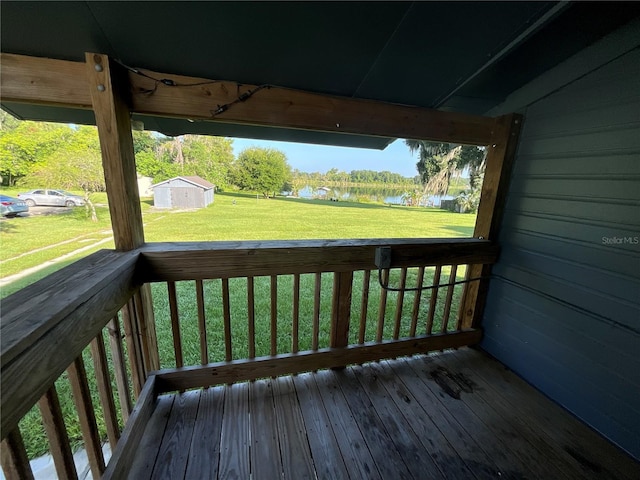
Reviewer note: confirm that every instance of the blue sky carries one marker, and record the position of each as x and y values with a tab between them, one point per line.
320	158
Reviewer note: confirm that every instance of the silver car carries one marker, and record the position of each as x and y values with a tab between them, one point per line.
55	198
12	207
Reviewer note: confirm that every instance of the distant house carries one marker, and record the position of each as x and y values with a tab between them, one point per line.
183	192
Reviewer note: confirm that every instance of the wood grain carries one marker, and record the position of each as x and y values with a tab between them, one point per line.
103	382
119	368
364	306
204	452
251	316
294	446
316	311
86	415
134	430
448	299
59	446
265	447
173	454
295	320
13	456
325	450
226	315
500	156
433	300
397	319
382	308
234	460
415	312
273	314
109	93
262	367
175	323
134	351
200	260
76	311
341	309
65	84
202	323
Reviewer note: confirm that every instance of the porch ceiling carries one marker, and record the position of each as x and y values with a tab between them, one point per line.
453	56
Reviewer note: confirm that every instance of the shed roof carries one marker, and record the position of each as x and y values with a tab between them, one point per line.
453	56
193	179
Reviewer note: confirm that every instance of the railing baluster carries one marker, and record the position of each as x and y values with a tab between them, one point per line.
131	337
463	299
449	298
399	304
57	435
175	323
295	326
103	382
383	304
202	324
341	309
274	314
117	356
434	299
13	456
364	305
86	415
316	311
226	313
416	303
251	317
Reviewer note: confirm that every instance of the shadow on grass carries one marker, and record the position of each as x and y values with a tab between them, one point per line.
8	226
460	231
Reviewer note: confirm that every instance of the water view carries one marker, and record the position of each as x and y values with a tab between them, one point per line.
391	196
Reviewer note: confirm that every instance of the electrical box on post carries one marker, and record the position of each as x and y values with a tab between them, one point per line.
383	257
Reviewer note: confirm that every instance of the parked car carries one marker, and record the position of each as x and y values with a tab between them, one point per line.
12	207
53	198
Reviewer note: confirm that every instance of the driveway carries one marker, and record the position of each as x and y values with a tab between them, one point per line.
34	211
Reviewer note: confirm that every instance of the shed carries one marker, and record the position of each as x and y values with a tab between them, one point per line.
183	192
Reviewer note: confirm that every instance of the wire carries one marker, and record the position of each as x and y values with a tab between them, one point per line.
241	98
165	81
430	287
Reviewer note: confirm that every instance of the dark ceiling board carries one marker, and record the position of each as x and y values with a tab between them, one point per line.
441	44
322	46
62	30
580	26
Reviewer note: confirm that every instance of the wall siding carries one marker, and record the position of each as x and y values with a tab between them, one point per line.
563	310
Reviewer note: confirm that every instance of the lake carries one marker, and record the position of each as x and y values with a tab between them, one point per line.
391	196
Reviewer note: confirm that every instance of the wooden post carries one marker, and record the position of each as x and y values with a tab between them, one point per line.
110	92
341	309
494	192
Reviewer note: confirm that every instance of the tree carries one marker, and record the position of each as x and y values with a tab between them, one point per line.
263	170
208	157
77	166
438	163
24	145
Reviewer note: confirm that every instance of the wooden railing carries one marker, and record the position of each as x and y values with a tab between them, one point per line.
53	347
259	309
224	312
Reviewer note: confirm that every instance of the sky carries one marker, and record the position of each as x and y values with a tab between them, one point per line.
321	158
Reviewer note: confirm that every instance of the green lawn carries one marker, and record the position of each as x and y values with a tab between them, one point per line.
233	217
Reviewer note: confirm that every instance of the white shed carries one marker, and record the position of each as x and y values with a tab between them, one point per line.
183	192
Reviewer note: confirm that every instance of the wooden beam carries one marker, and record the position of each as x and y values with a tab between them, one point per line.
497	175
118	466
284	107
201	260
263	367
44	81
57	82
49	323
341	309
109	92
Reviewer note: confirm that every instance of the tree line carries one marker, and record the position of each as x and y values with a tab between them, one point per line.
67	156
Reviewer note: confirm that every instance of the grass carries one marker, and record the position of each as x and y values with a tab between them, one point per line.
234	216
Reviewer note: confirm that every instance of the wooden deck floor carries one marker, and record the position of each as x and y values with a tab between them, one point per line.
453	415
